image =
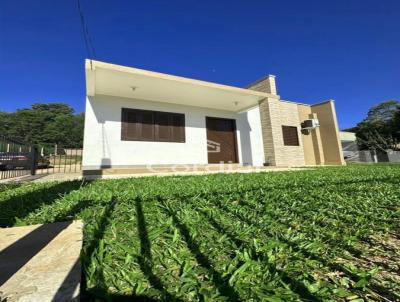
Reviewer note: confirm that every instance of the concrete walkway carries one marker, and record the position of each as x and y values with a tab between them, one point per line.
40	263
43	178
143	172
179	171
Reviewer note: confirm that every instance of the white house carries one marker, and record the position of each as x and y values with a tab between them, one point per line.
136	118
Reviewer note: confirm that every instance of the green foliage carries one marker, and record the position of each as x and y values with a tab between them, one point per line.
383	111
396	124
380	130
328	234
52	123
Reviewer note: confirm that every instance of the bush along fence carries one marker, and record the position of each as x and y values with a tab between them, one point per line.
19	159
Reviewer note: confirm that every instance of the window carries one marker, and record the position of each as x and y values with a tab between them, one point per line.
156	126
290	136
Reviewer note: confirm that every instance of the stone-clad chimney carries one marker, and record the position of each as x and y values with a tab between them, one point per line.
265	84
270	121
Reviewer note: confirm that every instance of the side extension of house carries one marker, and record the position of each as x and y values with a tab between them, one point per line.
320	146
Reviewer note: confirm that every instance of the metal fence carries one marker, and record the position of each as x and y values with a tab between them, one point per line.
16	158
59	159
19	159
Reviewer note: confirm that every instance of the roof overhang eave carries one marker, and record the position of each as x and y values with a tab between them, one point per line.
93	87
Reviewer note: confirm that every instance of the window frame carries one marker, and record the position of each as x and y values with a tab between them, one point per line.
288	141
125	136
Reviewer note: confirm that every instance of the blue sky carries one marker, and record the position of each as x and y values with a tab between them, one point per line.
348	51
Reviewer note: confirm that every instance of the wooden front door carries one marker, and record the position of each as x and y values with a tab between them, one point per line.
221	140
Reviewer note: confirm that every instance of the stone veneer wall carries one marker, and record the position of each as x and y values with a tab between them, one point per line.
266	84
289	116
267	133
321	146
275	113
312	146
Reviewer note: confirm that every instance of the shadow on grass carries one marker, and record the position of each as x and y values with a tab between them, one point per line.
285	187
329	264
88	253
221	283
75	210
295	285
100	291
20	206
9	186
99	295
300	288
145	259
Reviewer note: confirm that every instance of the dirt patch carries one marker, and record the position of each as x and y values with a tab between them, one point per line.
382	262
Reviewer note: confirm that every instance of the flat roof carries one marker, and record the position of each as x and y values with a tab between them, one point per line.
128	82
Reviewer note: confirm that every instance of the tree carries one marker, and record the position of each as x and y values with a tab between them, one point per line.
396	124
51	123
383	112
380	129
54	109
65	130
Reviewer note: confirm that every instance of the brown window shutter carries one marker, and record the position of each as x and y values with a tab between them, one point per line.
290	136
133	125
130	123
177	127
146	125
124	125
162	127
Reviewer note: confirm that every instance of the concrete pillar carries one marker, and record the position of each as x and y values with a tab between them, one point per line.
329	132
316	138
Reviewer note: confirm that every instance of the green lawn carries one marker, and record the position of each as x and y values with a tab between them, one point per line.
330	234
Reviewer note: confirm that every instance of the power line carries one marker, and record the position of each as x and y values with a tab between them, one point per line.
91	53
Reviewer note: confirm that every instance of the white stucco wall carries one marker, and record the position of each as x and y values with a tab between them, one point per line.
103	145
249	126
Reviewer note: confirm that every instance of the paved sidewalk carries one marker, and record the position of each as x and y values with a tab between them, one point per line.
43	178
129	173
120	173
40	263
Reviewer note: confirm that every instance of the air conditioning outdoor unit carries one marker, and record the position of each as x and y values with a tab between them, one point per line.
310	124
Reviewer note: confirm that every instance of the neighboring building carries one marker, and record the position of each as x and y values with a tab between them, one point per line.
136	117
349	144
352	152
73	152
